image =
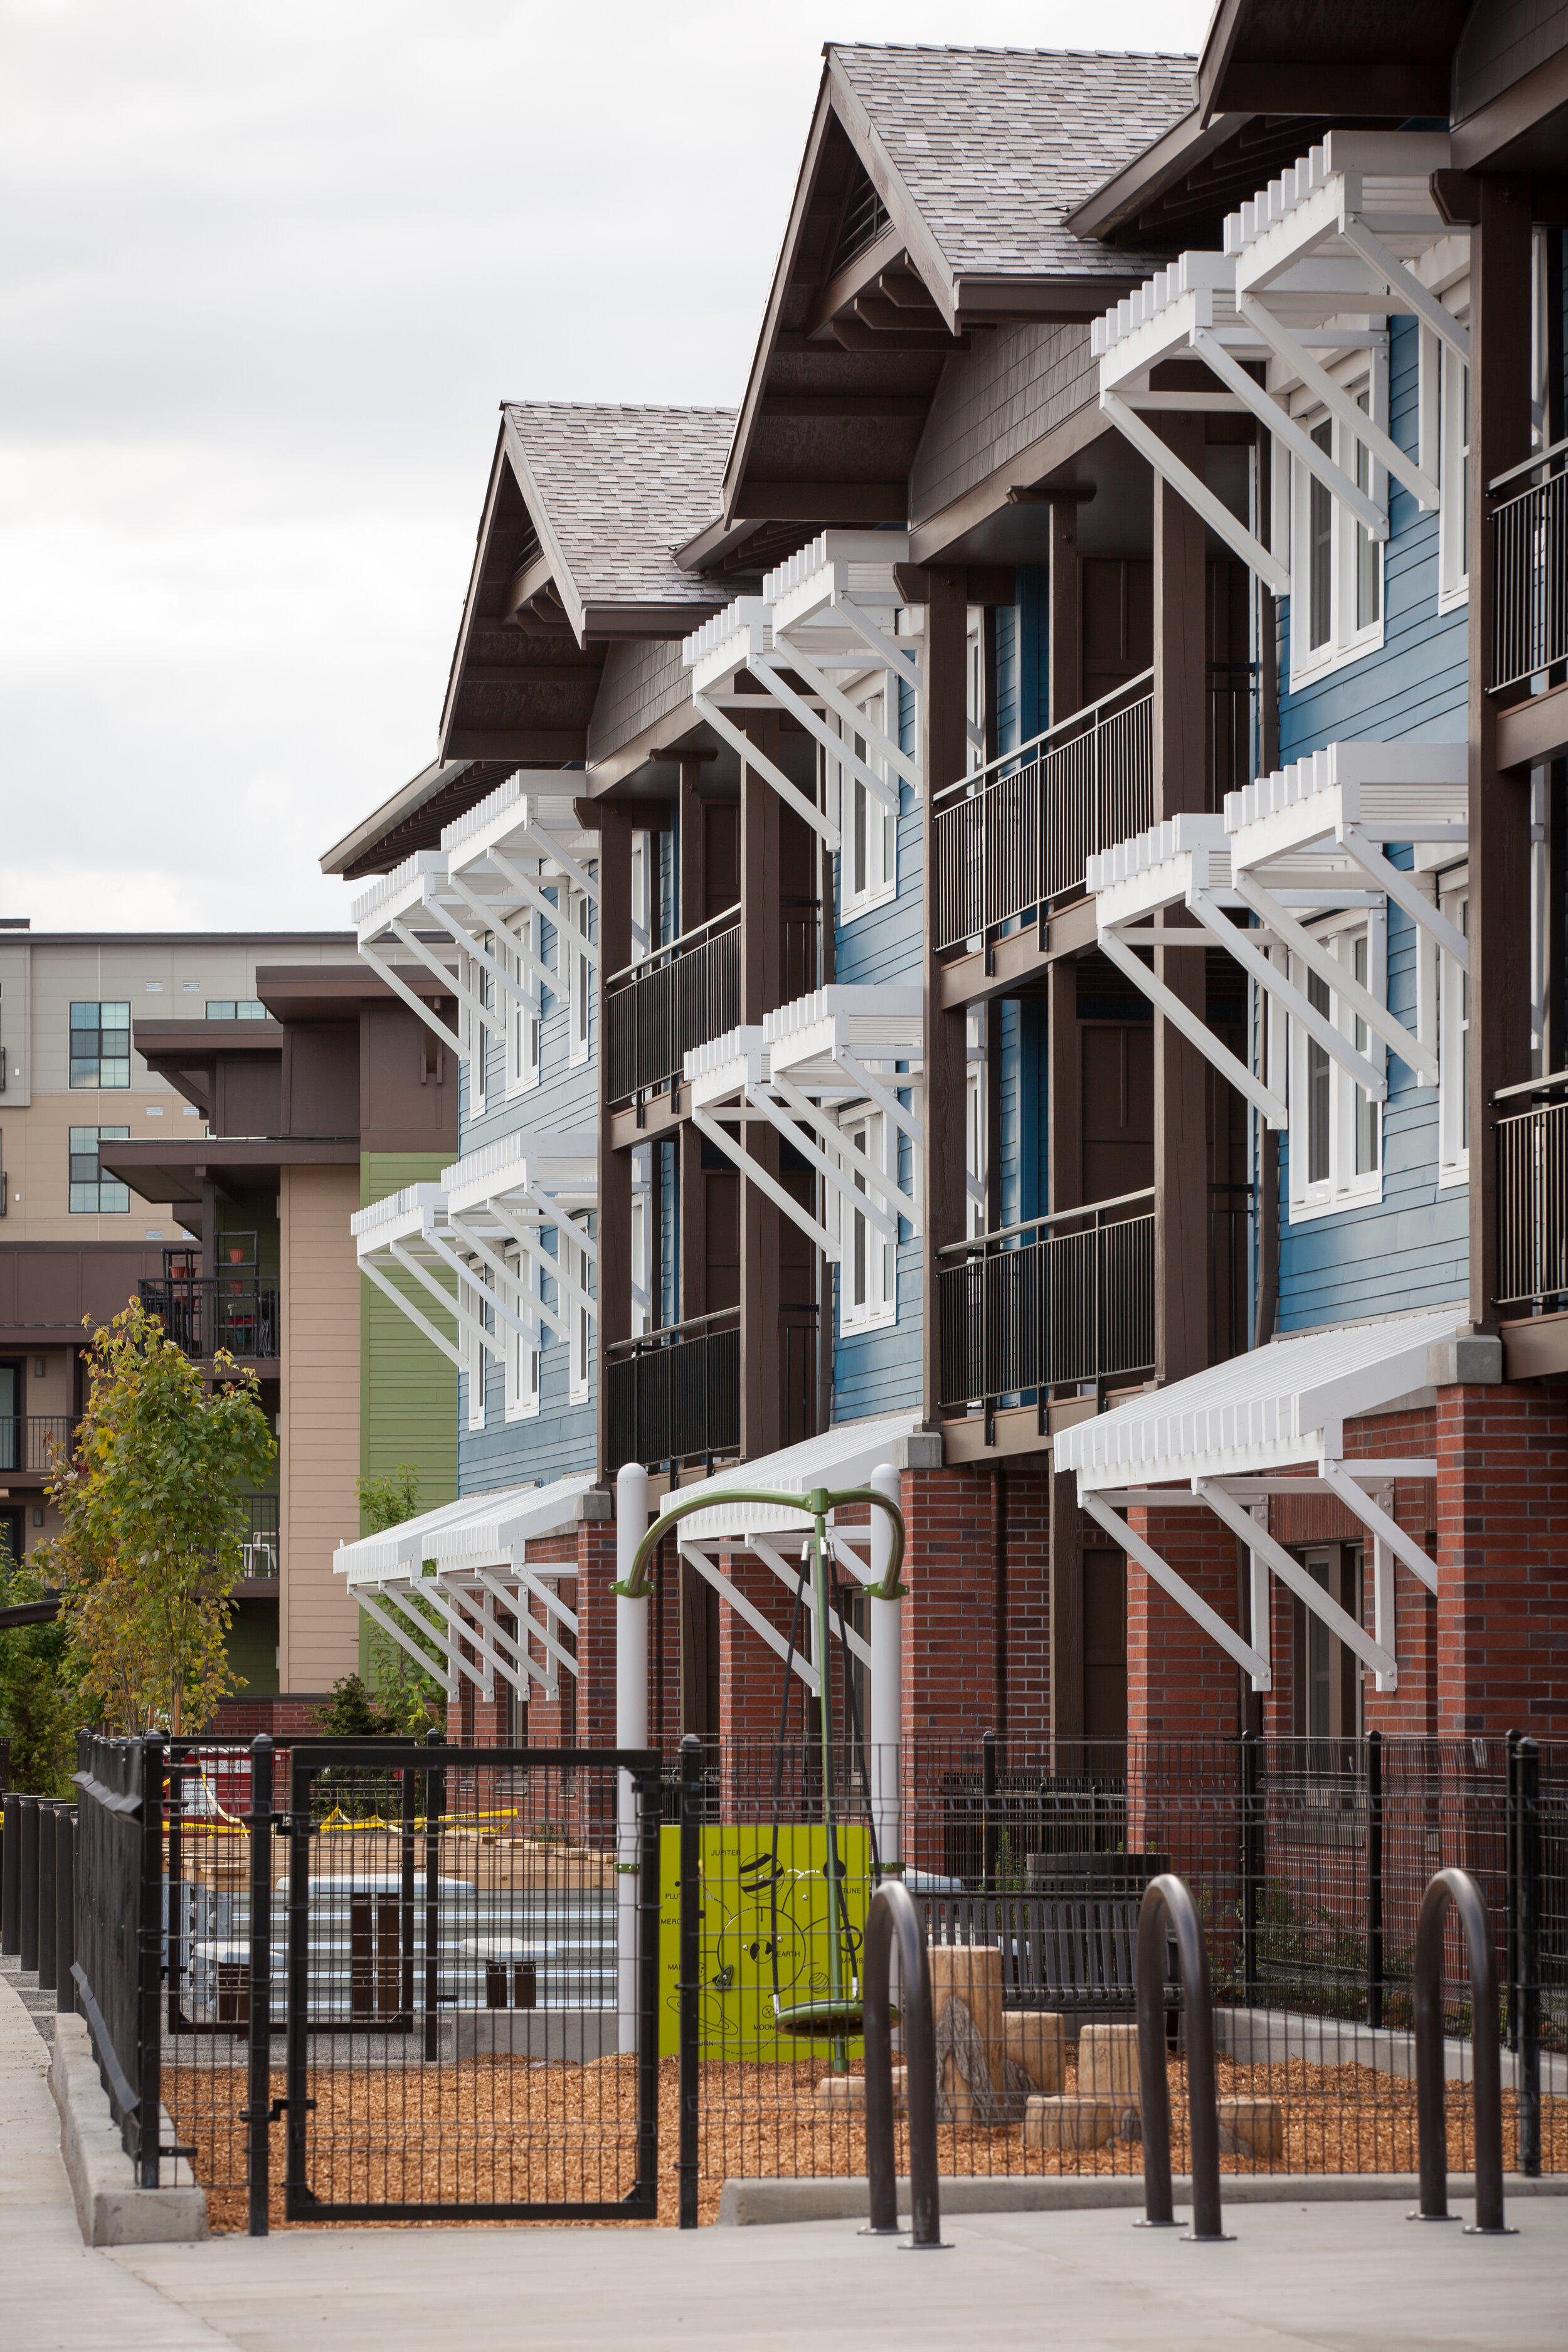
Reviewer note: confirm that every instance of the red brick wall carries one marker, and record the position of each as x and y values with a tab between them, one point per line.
1180	1684
285	1713
951	1621
1502	1561
1023	1498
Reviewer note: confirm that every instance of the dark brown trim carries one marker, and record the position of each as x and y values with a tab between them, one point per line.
1479	139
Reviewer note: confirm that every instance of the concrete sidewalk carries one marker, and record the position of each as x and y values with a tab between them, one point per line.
1345	2278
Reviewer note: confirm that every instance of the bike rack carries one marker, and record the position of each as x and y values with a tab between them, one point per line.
893	1914
1457	1888
1168	1910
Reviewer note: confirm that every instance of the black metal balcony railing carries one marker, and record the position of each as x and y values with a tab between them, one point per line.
1037	1307
1533	1199
202	1313
681	997
1019	832
33	1441
675	1395
261	1543
1530	558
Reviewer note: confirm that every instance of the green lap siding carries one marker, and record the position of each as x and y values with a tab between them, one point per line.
408	1391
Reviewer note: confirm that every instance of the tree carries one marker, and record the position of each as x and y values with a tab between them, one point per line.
40	1705
400	1700
154	1521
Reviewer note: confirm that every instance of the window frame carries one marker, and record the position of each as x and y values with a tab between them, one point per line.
1365	380
523	1361
579	924
1453	478
475	1353
879	1308
579	1268
869	879
525	1024
97	1029
1345	1185
99	1206
1453	1030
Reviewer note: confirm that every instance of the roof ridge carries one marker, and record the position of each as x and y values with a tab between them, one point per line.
621	408
952	49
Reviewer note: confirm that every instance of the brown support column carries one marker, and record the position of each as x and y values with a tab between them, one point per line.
1065	1080
688	817
1065	681
614	1216
1181	782
761	936
1499	799
947	759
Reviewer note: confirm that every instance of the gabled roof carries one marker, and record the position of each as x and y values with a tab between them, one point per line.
931	205
613	492
413	818
994	147
585	507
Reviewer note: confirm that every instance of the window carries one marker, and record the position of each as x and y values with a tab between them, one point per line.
1337	593
579	1321
235	1008
1454	483
525	1027
483	987
1336	1126
472	1349
521	1354
91	1189
974	1122
870	856
100	1045
974	690
1454	1041
1326	1698
867	1273
579	919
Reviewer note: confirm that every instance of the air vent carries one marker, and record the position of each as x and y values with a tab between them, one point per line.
866	216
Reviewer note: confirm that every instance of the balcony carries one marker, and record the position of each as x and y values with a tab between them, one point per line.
674	1395
1529	558
1065	1301
1532	1199
29	1445
261	1543
682	996
1017	835
202	1313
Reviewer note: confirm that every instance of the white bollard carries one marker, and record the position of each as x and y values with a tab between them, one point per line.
631	1732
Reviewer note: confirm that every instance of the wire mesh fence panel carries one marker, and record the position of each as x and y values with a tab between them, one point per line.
469	1985
1306	1859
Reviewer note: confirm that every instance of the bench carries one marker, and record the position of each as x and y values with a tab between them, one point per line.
1072	1953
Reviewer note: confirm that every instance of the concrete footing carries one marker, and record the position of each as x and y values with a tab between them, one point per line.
744	2204
111	2208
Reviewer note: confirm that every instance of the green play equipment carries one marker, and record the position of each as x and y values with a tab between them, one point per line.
838	2016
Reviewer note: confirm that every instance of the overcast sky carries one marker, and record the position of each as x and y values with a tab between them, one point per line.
268	271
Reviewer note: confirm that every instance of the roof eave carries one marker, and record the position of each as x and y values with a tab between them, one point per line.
1173	154
396	811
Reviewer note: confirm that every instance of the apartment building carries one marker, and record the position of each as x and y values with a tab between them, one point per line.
1058	917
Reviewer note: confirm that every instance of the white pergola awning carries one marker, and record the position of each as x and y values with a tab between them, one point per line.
1227	1433
477	1547
508	1195
489	877
831	609
800	1070
1312	267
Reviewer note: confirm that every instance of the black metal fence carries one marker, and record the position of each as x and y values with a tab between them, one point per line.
1043	1307
1529	553
202	1313
119	1930
675	1393
1533	1206
1020	832
681	996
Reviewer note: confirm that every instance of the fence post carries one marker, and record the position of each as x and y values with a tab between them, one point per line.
259	2107
1251	1867
295	2189
27	1905
650	1834
150	1964
1511	1884
988	1811
893	1917
1455	1887
1375	1878
45	1895
65	1910
11	1879
1529	1963
690	1969
434	1806
1168	1910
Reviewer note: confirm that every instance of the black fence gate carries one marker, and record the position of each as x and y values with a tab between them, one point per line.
472	1958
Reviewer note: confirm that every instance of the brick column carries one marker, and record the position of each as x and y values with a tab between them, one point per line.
1025	1661
1502	1561
951	1623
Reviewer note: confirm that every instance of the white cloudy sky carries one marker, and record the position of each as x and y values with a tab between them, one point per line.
267	271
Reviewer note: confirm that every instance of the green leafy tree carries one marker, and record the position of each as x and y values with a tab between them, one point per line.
155	1519
40	1703
399	1699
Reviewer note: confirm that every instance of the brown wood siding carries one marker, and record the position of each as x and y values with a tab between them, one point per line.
320	1423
